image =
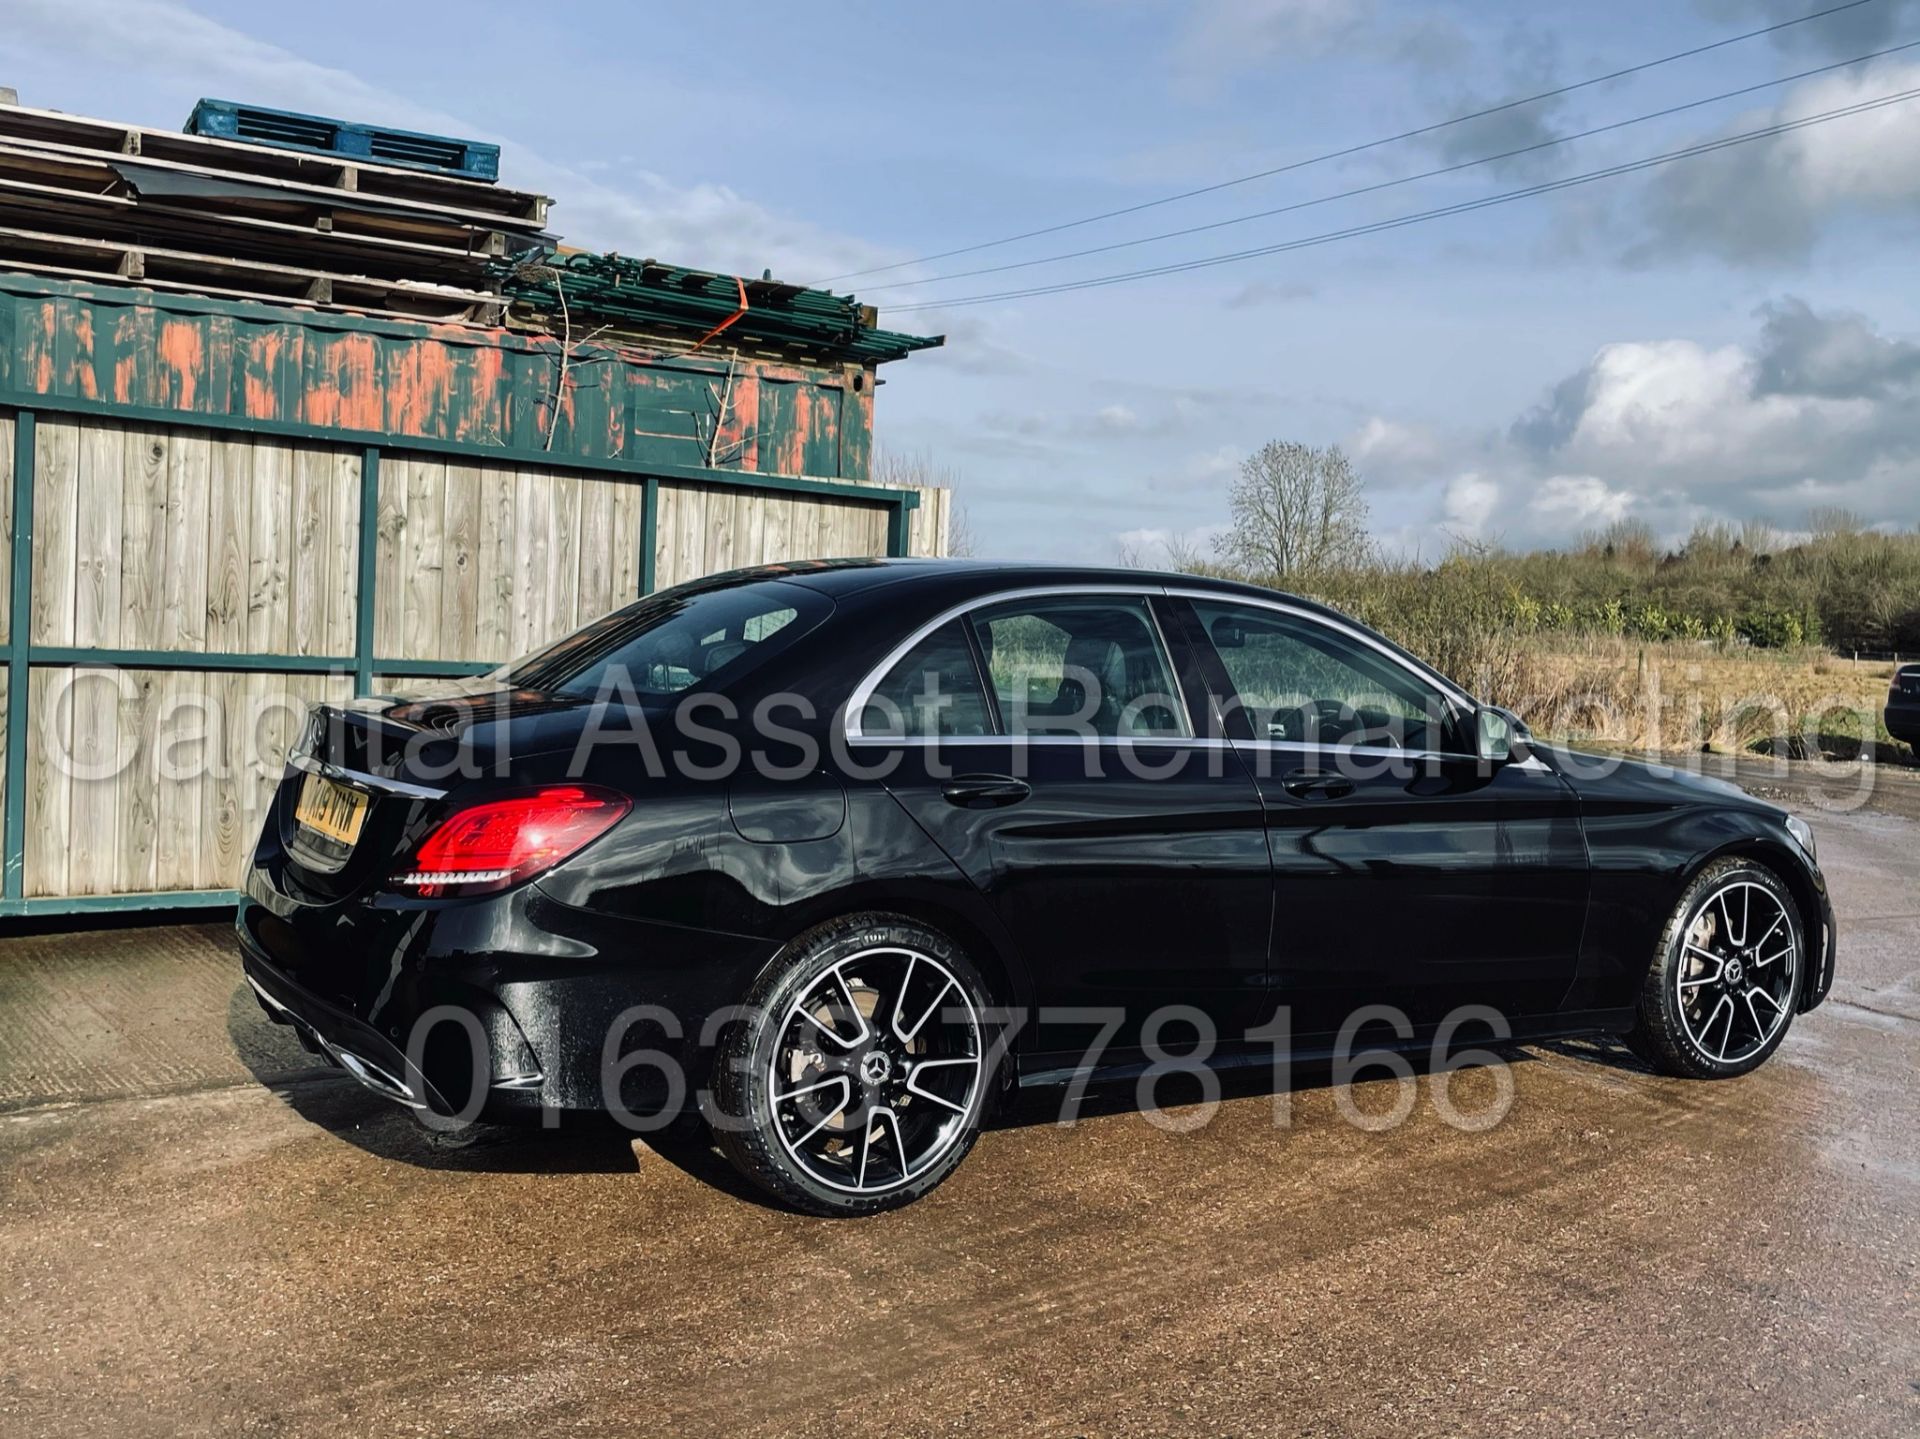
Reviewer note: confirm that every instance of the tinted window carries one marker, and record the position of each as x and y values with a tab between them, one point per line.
1091	666
679	639
1306	682
934	690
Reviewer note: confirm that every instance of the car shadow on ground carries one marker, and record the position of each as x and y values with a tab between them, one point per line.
331	1100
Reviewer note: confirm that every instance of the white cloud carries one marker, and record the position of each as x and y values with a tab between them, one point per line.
1772	200
1469	503
1818	408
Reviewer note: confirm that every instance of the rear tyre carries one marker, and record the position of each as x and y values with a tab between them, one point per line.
859	1080
1720	994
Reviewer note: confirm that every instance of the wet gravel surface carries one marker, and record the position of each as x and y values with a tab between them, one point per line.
198	1250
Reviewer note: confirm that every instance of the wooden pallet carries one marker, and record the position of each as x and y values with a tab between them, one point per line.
126	217
43	253
473	200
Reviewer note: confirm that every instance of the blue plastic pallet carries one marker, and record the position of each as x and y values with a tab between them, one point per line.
320	135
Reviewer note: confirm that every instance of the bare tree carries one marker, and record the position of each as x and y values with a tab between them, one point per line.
1297	511
920	470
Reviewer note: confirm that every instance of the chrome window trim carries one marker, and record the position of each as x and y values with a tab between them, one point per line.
360	779
863	692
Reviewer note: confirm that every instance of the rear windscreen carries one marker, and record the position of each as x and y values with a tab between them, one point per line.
680	640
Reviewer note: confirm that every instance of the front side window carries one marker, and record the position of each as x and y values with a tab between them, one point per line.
932	692
1087	666
1301	681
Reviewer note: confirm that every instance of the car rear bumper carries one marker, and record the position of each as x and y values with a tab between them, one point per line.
1902	719
508	1008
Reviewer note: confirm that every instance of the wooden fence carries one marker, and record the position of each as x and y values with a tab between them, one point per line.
189	591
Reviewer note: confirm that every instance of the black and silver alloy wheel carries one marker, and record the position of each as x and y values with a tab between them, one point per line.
862	1085
1724	984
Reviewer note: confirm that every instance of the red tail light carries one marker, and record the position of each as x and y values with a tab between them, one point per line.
494	846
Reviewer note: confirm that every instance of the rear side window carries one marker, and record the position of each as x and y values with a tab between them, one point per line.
1088	667
679	640
934	691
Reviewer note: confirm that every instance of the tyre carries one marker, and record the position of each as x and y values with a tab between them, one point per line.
860	1078
1720	993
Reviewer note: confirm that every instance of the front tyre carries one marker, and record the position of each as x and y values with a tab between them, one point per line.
1726	976
859	1081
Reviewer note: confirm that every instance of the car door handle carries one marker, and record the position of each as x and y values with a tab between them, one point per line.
985	791
1311	783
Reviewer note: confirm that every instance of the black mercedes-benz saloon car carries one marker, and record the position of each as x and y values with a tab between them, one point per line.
827	857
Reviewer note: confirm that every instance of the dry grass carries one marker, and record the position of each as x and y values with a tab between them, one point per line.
1687	696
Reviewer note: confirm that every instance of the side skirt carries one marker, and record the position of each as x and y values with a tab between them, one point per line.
1038	1071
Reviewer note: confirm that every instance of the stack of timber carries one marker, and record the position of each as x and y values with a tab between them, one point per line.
94	199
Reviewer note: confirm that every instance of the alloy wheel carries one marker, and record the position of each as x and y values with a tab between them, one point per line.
876	1069
1738	963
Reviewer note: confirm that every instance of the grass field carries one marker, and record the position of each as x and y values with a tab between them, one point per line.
1681	695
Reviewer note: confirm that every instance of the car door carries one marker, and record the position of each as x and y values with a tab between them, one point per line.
1407	872
1125	857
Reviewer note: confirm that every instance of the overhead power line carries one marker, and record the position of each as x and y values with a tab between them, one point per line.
1419	217
1415	133
1394	183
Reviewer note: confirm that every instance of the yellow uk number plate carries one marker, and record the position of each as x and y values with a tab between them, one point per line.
331	810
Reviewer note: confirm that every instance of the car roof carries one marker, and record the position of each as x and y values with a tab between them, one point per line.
963	577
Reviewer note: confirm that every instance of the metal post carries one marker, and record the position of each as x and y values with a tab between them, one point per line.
899	522
649	535
369	551
19	635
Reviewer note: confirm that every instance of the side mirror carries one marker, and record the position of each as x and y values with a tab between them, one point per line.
1493	734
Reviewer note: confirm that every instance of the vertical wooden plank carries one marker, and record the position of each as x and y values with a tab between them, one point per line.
96	610
94	837
390	557
56	499
143	541
223	845
141	794
496	583
426	520
189	474
270	552
530	518
342	542
49	792
177	804
693	532
749	528
460	577
623	578
776	540
563	555
229	543
718	550
6	548
596	531
307	584
666	552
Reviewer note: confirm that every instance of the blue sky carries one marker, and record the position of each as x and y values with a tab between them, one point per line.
1728	337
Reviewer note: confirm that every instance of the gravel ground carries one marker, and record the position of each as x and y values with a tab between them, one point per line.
202	1235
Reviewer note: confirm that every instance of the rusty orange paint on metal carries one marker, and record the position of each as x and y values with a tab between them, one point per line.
260	368
182	357
80	368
